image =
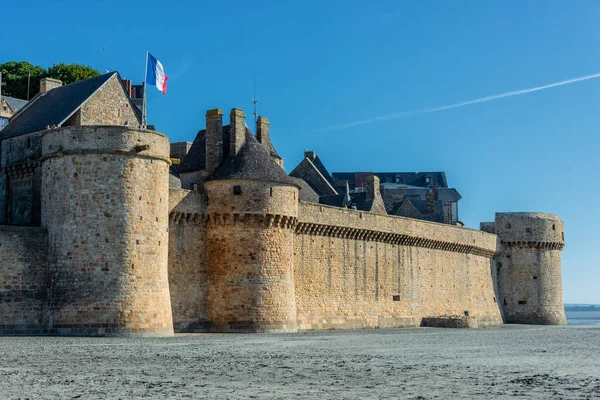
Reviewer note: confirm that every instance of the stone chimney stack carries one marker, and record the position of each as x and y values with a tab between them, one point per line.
214	139
128	89
262	131
49	84
237	130
372	187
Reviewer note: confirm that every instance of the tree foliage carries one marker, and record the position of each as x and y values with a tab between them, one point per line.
15	74
14	79
69	73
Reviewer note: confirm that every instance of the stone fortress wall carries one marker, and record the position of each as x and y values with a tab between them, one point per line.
357	270
351	269
119	253
23	280
105	206
528	265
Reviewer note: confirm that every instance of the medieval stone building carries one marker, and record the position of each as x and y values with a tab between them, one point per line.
108	229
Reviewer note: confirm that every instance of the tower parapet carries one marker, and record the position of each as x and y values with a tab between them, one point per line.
528	264
105	205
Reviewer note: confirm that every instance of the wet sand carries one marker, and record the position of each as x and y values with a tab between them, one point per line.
422	363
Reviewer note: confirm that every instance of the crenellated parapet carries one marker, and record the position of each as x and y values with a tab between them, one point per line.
308	228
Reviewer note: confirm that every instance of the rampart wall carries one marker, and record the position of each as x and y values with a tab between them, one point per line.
357	270
23	280
187	260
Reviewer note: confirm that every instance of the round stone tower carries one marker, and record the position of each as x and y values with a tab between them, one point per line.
253	208
529	268
105	205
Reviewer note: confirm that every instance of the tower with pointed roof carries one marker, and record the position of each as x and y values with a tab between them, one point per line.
252	212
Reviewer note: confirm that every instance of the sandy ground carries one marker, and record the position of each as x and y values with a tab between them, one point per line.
422	363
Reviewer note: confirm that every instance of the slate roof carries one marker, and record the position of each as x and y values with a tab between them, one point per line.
14	104
360	200
407	178
252	162
437	215
306	193
55	106
195	160
314	158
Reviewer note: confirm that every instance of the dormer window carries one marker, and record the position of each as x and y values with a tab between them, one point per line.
397	179
427	180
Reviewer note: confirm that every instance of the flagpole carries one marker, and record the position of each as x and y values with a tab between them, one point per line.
1	119
144	93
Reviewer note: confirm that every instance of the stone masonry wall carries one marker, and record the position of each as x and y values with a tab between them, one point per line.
108	106
23	281
250	238
187	260
528	266
355	270
105	205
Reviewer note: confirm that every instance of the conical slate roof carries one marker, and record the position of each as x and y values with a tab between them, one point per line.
252	162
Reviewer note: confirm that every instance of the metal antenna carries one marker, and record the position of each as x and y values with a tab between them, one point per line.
255	100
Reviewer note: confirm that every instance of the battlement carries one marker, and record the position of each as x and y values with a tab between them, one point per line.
528	228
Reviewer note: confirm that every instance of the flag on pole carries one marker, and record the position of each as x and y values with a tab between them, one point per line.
155	74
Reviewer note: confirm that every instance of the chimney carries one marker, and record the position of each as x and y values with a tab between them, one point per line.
262	131
127	84
214	139
311	155
49	84
237	130
372	187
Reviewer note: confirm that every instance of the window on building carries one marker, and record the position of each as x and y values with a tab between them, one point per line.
237	190
398	179
195	186
522	302
427	180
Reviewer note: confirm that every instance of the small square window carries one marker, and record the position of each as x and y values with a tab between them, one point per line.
237	190
396	297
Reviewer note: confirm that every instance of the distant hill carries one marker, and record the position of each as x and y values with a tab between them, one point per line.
582	307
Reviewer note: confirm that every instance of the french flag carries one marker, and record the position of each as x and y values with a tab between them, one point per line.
156	74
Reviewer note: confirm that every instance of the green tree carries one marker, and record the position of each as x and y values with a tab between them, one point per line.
69	73
14	79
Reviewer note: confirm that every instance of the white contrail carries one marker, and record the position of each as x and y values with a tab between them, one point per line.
465	103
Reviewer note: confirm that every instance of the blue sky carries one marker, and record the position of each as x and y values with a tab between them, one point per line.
325	63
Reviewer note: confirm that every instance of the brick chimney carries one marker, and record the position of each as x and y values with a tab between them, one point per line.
127	84
237	130
262	131
49	84
214	139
